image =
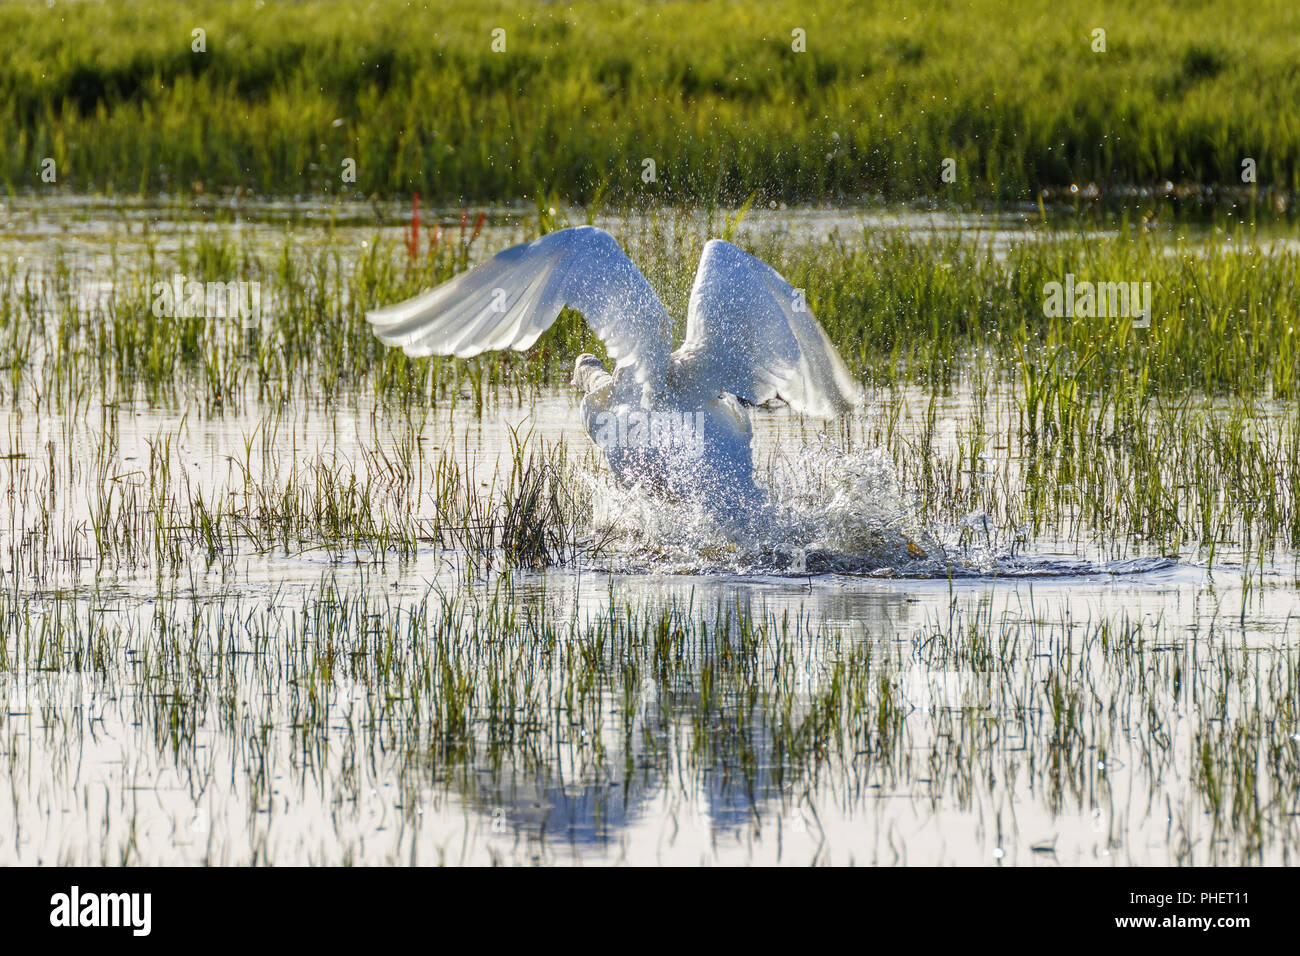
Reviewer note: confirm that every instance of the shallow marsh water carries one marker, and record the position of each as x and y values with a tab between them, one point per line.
250	689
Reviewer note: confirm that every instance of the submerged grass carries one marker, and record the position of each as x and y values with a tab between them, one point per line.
898	308
1081	428
271	725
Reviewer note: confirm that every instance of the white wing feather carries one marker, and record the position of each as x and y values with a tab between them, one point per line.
512	298
748	332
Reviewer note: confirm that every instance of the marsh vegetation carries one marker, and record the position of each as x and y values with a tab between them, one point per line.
272	593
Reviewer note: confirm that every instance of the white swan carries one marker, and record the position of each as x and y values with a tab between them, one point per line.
672	421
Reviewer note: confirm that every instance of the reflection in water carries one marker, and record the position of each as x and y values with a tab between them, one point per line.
735	795
351	713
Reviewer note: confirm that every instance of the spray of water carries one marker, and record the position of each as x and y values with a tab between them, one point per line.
823	509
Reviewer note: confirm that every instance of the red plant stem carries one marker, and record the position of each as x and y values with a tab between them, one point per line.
413	243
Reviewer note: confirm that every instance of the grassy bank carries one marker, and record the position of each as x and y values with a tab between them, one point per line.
582	95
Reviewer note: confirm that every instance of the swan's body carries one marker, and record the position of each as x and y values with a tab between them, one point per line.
672	421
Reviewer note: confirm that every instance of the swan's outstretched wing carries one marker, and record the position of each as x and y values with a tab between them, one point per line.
751	334
512	298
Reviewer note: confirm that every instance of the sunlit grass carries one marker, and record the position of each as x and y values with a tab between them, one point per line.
713	92
1181	435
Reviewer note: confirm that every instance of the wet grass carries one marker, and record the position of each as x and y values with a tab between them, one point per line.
898	308
379	499
714	93
1084	429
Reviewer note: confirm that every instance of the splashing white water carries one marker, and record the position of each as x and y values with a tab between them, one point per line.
826	509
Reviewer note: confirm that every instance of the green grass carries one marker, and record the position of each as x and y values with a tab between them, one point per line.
1085	430
899	308
712	91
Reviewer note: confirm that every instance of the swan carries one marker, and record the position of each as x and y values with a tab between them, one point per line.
674	422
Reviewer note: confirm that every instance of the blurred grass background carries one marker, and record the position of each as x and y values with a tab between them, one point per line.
710	90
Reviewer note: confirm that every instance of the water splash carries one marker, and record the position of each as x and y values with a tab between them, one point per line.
826	510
